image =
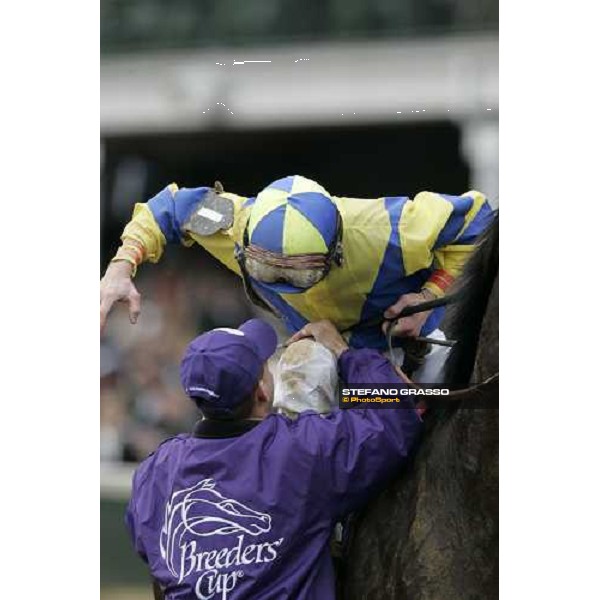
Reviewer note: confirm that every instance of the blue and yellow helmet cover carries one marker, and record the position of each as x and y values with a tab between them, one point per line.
293	216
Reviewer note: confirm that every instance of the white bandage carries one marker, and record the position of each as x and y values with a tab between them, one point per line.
307	379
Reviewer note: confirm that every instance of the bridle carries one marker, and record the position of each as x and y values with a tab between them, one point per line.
413	310
407	311
415	348
453	396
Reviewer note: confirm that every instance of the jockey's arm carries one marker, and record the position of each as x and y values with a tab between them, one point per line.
162	220
439	231
165	219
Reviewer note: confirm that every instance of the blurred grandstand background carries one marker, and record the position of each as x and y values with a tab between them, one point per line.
370	98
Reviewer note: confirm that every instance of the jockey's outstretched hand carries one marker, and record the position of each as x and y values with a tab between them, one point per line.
407	326
116	286
323	332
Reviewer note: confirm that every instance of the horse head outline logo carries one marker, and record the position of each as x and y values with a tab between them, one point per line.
202	511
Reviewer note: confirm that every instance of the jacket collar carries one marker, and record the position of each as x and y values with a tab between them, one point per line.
213	429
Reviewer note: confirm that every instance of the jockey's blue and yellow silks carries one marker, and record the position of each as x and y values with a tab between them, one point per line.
391	245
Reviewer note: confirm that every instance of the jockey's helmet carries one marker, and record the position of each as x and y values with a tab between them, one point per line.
292	237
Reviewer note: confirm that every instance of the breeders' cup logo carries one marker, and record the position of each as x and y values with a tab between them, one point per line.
195	515
203	511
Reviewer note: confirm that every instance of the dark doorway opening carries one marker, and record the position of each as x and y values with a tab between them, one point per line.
359	161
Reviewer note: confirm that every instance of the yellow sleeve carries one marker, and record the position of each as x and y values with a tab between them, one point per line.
438	231
453	256
421	222
144	229
161	221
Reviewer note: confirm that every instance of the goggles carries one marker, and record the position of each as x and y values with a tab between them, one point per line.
286	274
301	271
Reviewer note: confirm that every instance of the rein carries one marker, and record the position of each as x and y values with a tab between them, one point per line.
407	311
413	310
463	396
459	395
455	395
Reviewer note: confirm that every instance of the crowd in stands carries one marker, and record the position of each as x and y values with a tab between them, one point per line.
141	400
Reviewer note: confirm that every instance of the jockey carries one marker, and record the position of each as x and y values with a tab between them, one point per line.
307	255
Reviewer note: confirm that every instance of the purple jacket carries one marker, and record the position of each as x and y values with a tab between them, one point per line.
250	517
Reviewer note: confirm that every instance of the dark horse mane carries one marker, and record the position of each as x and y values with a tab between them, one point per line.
433	531
465	316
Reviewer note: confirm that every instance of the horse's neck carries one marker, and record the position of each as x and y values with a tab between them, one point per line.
486	360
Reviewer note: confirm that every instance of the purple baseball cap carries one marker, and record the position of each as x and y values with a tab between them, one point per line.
221	368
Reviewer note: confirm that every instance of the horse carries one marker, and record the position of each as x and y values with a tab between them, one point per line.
432	534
